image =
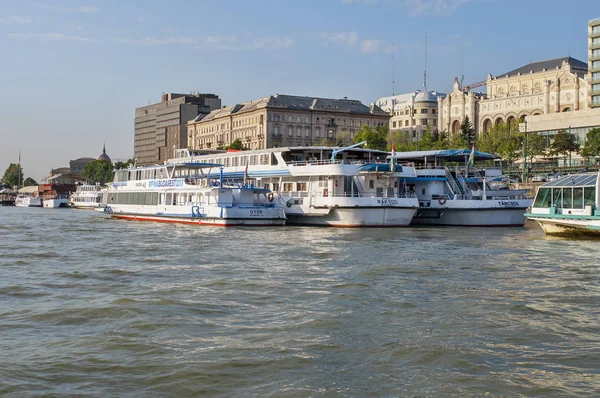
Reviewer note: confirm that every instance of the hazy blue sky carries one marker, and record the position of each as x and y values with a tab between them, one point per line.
72	72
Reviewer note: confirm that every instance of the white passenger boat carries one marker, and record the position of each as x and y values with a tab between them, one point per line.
86	196
188	193
340	187
28	201
569	205
461	195
54	202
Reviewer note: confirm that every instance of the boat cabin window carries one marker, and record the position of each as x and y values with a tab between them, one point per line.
264	158
567	198
288	186
275	187
589	196
274	159
235	161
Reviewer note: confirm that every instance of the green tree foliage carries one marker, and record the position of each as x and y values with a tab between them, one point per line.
236	145
401	139
376	138
29	182
467	132
536	146
563	144
99	172
455	141
123	165
11	175
503	140
592	144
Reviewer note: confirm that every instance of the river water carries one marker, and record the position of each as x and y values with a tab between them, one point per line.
91	306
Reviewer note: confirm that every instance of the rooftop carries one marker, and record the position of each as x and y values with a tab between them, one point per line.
574	180
577	66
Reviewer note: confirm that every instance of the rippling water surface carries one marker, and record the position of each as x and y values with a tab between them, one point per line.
91	306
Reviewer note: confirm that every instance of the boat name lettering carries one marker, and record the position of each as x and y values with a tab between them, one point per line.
140	184
165	183
119	184
387	202
508	203
256	212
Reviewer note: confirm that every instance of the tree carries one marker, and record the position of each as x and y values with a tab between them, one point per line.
237	145
592	143
123	165
13	175
99	172
467	131
376	138
536	146
563	144
29	182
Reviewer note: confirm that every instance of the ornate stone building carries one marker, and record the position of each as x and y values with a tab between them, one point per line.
283	120
412	112
539	88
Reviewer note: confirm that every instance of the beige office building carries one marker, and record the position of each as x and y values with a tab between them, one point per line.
284	120
594	61
412	112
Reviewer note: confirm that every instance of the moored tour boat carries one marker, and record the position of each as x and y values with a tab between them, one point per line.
28	201
569	205
186	193
86	196
461	195
322	186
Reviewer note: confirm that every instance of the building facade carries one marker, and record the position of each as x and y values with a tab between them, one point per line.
162	126
284	120
594	62
539	88
412	112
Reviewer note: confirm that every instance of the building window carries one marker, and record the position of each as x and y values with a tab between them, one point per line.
275	131
299	131
406	123
290	131
424	110
318	132
394	125
307	132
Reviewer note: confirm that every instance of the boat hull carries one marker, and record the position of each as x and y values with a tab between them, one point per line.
54	203
568	227
353	217
471	217
227	222
28	202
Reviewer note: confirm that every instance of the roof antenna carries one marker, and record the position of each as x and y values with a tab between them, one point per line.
393	69
425	71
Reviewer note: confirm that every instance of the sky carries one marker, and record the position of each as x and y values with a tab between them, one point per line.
73	72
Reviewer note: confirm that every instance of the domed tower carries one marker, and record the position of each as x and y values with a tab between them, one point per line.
104	156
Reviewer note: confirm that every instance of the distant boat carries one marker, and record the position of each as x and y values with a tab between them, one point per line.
86	196
569	205
28	201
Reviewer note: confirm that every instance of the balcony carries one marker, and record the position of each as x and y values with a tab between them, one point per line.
331	123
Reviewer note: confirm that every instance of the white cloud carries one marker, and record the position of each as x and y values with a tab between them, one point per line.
83	9
48	37
369	46
270	43
347	38
15	20
432	7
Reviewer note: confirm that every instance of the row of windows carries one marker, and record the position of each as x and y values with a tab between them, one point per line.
566	198
596	29
410	111
305	119
596	52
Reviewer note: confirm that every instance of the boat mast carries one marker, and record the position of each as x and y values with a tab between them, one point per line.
19	170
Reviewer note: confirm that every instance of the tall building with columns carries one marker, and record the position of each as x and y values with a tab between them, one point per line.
538	88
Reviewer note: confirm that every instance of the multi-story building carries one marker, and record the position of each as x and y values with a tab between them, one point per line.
594	61
284	120
161	127
538	88
412	112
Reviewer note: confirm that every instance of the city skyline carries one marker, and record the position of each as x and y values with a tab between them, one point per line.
76	71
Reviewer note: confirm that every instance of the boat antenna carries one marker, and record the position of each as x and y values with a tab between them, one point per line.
425	71
393	68
19	171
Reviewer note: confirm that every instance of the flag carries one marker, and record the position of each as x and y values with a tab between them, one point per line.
471	157
393	159
245	173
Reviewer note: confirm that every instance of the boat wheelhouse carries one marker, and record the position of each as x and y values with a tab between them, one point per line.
86	196
324	186
450	192
568	205
188	193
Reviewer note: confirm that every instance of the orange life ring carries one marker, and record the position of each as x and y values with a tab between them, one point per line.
442	199
325	192
270	197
